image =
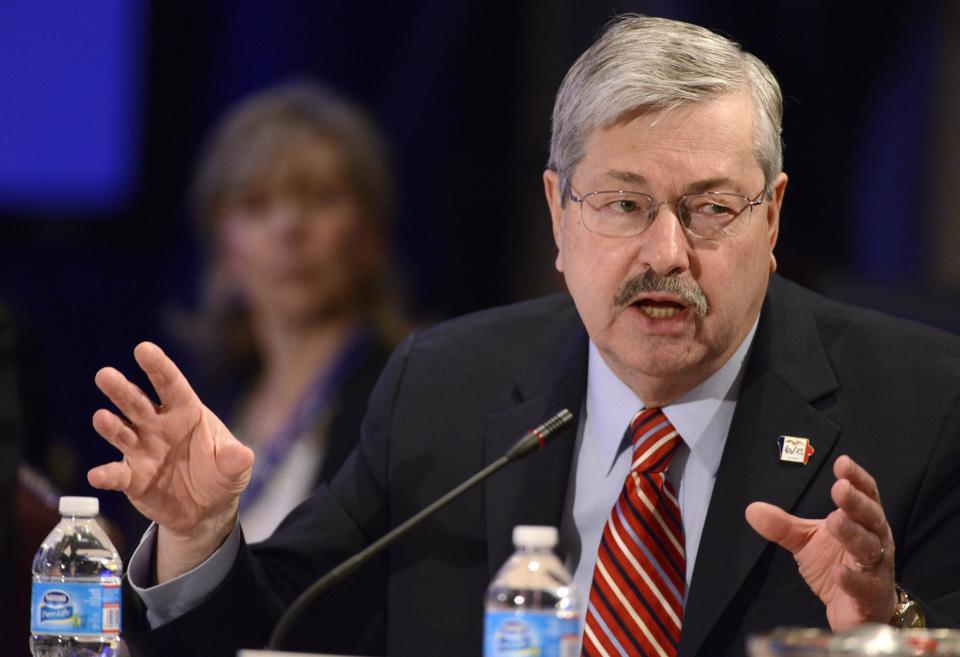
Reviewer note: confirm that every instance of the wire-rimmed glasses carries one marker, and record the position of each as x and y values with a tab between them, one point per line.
708	215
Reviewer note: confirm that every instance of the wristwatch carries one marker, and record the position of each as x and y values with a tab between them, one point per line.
907	613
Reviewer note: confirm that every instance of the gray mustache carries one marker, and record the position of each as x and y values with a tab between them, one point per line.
676	284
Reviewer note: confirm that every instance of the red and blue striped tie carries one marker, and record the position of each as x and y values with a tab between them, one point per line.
639	582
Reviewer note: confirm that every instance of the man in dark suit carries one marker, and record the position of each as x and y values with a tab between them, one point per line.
673	307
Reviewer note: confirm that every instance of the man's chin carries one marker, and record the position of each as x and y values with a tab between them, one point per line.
664	359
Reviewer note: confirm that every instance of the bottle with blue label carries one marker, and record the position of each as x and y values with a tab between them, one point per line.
75	605
531	606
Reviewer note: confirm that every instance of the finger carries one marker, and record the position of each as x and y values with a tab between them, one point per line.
778	526
863	545
171	386
846	468
861	508
874	595
126	396
114	429
110	476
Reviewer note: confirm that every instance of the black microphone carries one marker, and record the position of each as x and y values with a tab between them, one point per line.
532	441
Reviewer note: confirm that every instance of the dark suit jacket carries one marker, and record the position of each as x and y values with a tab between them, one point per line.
453	398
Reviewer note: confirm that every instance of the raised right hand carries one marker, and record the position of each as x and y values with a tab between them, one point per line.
181	467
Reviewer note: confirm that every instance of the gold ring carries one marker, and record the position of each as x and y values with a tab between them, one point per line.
874	562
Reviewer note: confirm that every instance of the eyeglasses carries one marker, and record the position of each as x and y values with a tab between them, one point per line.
708	215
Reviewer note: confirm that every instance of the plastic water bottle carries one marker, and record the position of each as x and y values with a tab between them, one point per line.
531	606
75	606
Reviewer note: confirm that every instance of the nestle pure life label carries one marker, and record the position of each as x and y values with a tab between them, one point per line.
75	608
530	634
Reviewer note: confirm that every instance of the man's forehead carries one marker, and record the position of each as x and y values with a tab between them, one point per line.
699	185
706	144
734	171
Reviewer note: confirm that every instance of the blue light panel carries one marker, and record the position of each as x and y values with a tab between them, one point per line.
71	96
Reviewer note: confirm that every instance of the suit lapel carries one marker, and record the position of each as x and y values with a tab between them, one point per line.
533	491
787	370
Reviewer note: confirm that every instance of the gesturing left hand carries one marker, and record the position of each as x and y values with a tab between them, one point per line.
845	558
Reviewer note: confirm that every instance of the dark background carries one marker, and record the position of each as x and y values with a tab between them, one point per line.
463	91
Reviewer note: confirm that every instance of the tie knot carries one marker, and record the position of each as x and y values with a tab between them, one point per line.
654	440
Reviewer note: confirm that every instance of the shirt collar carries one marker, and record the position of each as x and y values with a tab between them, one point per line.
701	416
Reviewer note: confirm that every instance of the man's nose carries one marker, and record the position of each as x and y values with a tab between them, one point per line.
664	246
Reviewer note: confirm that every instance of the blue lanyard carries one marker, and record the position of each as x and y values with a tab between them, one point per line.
314	401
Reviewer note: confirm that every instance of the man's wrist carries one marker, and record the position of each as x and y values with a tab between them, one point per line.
907	613
173	598
178	553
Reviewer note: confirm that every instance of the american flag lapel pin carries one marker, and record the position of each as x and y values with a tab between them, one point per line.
794	449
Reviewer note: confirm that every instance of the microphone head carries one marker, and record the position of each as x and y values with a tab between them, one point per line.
538	437
554	424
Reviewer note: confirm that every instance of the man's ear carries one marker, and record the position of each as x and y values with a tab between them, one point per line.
552	190
777	191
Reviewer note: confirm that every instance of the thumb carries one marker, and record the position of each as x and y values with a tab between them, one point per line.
778	526
235	460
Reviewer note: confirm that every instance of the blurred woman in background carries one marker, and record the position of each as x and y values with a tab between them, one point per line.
294	194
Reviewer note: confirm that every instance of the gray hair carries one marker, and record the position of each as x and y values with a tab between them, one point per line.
656	64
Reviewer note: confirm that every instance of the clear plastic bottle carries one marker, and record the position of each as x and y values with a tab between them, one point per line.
75	606
531	606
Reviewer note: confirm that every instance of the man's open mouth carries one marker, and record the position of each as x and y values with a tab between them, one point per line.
659	309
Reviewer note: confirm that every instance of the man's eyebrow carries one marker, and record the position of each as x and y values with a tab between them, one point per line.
719	183
627	177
